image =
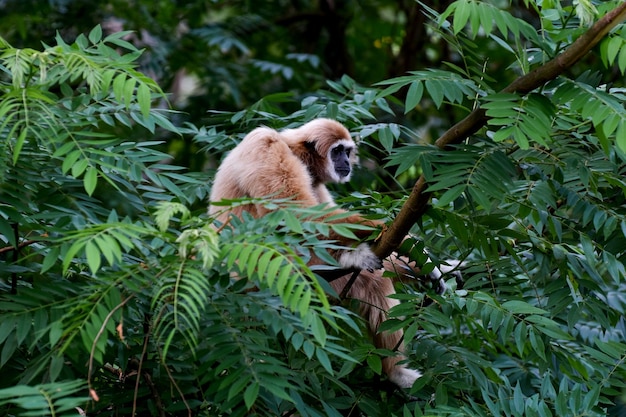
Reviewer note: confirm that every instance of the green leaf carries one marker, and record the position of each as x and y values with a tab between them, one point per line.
117	39
520	138
108	248
272	270
71	253
90	181
324	360
264	262
118	87
614	349
64	149
250	394
518	401
436	90
413	96
95	35
591	397
56	366
319	330
450	195
24	326
620	135
309	348
537	343
441	394
144	99
55	333
461	15
375	363
79	167
19	144
304	303
621	60
51	258
105	81
70	160
548	327
521	307
613	48
129	91
332	110
166	211
6	230
520	335
93	256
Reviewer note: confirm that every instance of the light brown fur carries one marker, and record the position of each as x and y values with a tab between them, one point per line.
283	165
373	290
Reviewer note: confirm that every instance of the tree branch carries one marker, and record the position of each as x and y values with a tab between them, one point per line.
19	246
418	200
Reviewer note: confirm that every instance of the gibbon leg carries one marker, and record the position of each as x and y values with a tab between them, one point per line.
372	290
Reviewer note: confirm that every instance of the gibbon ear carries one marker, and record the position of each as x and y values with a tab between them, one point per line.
310	146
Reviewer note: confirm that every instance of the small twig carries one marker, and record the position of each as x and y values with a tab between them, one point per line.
223	225
100	331
346	288
155	394
16	258
146	338
173	381
19	246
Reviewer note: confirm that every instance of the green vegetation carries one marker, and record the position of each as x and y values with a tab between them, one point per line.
117	296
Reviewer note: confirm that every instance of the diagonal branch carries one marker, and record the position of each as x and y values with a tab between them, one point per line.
418	200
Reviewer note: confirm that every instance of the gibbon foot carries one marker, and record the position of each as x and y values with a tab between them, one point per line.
361	257
404	377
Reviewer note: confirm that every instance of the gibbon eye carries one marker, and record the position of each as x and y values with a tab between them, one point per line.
340	149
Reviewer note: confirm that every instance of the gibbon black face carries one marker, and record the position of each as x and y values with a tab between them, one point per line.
340	155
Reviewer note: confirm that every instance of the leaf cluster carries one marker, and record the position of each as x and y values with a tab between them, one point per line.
119	296
119	290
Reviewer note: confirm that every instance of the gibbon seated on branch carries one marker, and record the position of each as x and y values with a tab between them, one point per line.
297	163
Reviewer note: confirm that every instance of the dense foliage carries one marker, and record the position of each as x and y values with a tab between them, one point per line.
117	295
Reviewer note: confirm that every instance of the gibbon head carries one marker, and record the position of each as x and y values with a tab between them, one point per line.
329	152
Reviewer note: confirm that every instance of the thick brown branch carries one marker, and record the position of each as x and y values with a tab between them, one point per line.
417	202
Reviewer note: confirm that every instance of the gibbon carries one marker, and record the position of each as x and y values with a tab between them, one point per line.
296	164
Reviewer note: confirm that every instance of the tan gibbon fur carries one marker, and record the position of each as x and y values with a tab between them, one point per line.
296	164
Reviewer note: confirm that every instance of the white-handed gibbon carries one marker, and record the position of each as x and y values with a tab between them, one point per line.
296	164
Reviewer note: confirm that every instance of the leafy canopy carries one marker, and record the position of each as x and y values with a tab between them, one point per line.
119	297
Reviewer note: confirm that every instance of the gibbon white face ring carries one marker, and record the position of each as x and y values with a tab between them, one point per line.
339	160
